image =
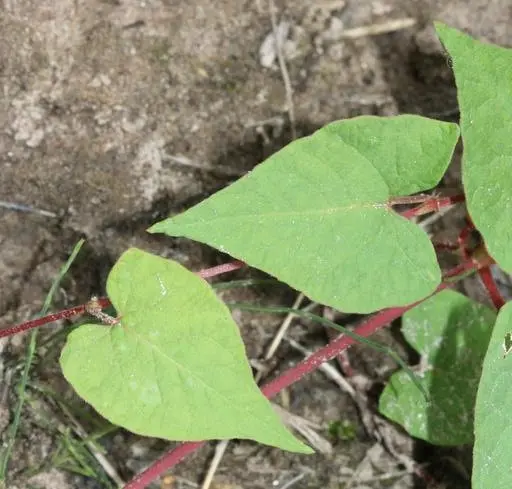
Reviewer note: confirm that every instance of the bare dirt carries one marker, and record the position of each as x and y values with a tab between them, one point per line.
116	113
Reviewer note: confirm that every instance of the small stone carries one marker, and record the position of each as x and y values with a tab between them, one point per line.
35	138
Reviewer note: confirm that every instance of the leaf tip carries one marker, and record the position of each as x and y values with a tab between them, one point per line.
439	26
159	227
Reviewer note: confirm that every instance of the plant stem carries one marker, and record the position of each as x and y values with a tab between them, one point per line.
41	321
105	302
410	199
492	288
164	463
218	270
13	429
288	378
434	204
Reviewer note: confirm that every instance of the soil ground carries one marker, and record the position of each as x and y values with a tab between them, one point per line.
116	113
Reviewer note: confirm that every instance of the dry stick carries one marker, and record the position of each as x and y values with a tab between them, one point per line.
377	29
280	334
293	481
220	449
182	160
284	70
308	429
13	206
291	376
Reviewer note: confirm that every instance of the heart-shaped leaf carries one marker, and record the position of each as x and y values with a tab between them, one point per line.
316	215
483	74
451	332
174	367
492	457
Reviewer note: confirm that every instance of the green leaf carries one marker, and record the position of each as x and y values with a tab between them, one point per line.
316	215
483	74
411	153
174	367
492	457
451	332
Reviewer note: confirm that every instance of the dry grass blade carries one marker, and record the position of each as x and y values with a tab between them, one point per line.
102	460
306	428
377	29
220	449
284	70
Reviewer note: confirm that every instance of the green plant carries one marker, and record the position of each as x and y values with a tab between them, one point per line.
322	216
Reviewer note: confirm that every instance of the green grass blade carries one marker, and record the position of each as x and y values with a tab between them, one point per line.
13	429
233	284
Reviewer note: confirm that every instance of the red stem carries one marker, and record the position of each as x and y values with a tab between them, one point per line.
435	204
50	318
218	270
286	379
491	287
104	302
460	271
162	464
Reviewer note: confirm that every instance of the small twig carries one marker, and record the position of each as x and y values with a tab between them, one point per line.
306	428
140	481
293	481
220	449
283	329
284	70
377	29
280	335
50	318
184	161
25	208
